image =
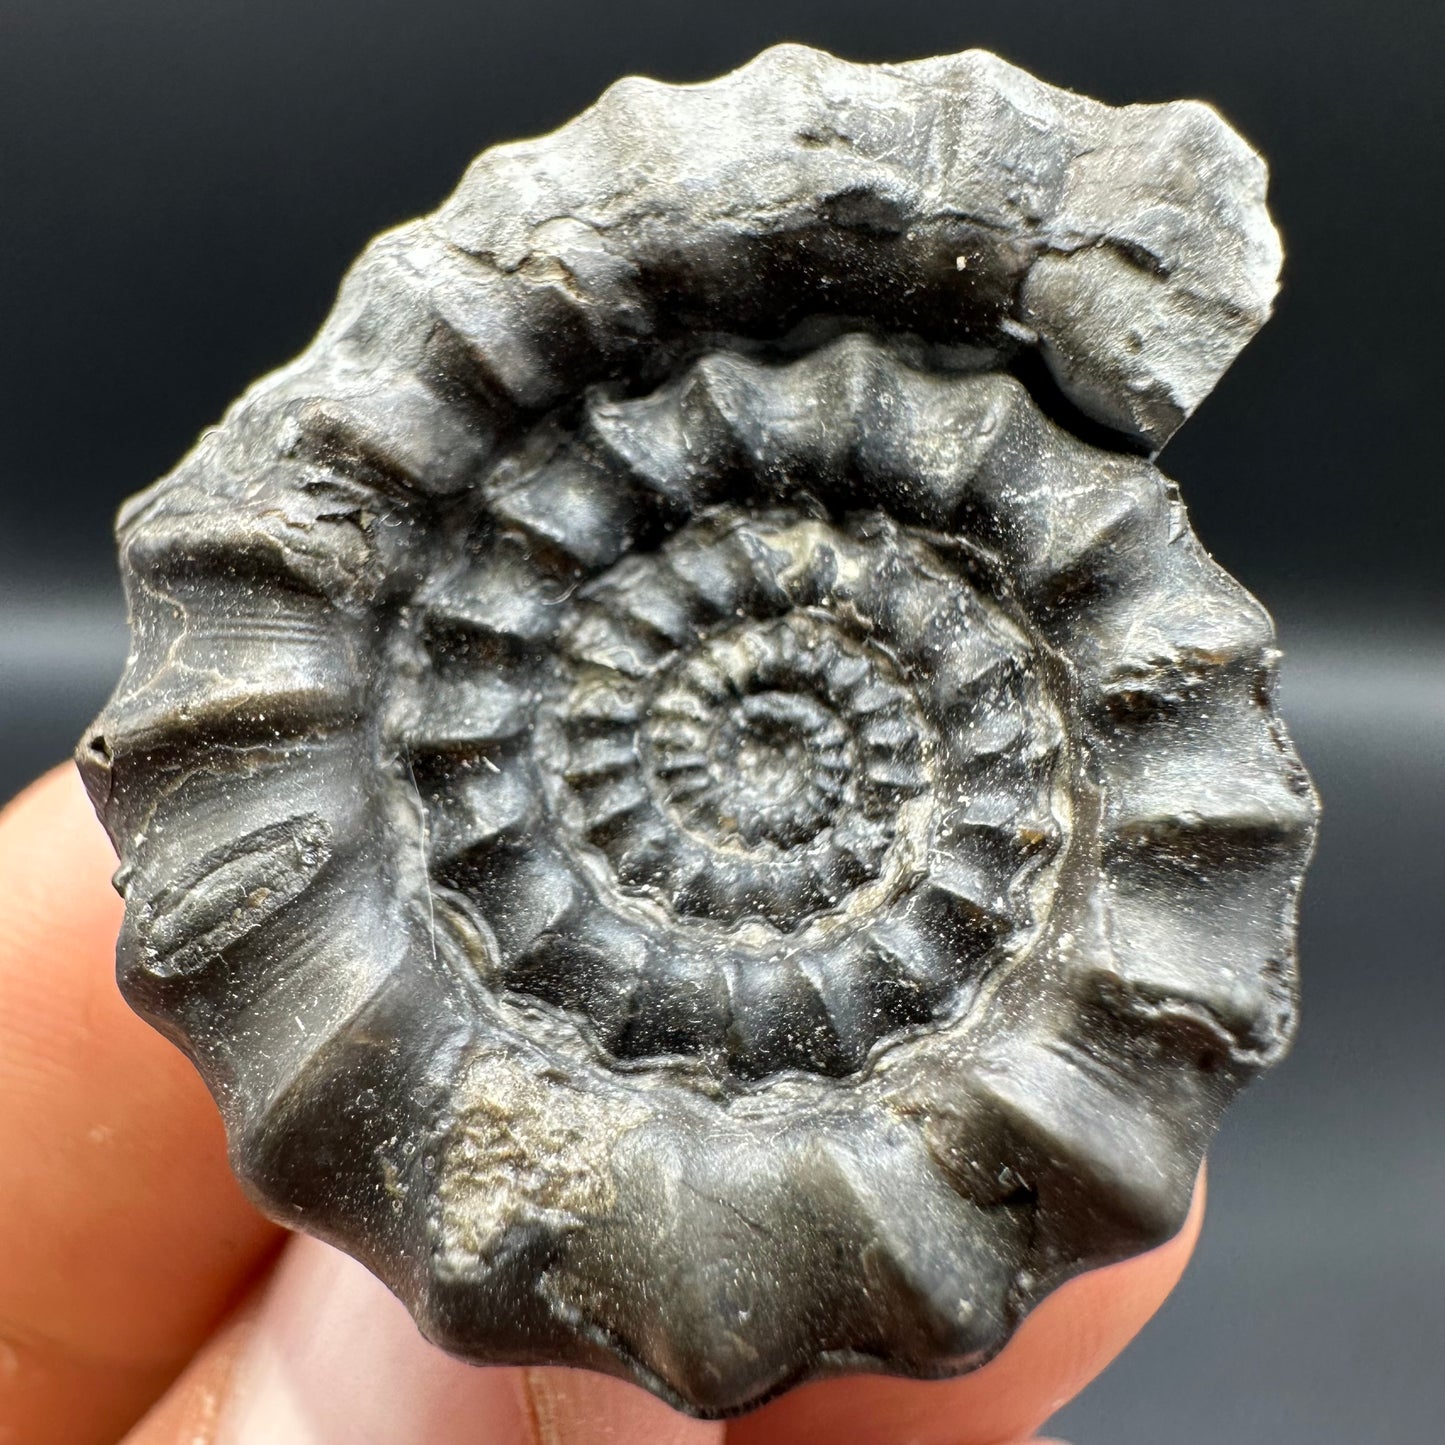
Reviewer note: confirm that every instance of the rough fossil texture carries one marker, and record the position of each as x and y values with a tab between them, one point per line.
682	775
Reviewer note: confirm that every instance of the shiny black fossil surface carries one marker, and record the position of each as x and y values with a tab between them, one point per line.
682	775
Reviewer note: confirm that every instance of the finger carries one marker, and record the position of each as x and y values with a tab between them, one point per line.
123	1237
1057	1350
333	1358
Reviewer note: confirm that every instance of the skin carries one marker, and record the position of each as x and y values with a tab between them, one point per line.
138	1285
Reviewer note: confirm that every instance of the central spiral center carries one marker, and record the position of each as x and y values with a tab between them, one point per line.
763	752
757	772
744	741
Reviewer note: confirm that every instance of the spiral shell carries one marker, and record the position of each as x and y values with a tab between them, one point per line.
682	776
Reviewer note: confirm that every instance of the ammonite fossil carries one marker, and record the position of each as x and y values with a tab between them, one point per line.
682	775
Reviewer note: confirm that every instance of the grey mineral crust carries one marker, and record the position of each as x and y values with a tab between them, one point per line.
682	776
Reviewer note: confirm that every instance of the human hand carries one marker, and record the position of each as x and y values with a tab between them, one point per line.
135	1277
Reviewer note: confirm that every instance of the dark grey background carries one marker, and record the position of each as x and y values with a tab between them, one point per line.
182	183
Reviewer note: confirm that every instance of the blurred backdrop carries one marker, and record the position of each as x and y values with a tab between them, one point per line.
182	183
